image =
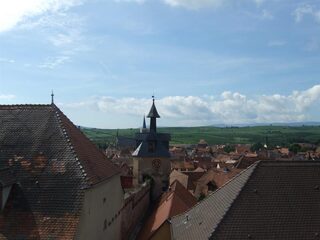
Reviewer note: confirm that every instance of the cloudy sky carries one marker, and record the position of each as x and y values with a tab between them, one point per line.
206	61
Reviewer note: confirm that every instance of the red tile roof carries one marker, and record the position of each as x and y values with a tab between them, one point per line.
54	163
96	165
176	201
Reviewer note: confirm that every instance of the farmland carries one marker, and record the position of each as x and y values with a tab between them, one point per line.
276	135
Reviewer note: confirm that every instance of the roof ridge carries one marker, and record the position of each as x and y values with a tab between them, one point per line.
219	189
27	104
57	113
254	166
85	162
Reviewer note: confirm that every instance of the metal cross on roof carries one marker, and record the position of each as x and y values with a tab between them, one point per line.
52	97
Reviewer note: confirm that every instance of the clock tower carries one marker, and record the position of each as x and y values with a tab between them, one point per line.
151	159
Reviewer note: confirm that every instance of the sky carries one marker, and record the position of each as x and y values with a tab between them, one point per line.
206	61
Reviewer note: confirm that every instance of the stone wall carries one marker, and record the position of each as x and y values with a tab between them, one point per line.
135	206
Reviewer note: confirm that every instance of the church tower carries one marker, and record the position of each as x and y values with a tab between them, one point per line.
151	159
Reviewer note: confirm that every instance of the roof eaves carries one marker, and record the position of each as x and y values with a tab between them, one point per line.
59	113
65	134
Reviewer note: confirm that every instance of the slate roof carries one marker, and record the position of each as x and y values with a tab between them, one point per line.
269	200
281	200
153	113
142	150
6	177
200	221
53	163
175	201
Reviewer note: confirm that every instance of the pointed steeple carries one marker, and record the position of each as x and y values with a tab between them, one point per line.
52	97
153	115
144	126
144	129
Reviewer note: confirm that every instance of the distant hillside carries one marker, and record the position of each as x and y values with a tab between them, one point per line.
277	135
292	124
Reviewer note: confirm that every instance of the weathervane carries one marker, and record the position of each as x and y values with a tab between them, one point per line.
52	97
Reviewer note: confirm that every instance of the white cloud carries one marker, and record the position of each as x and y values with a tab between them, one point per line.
52	63
15	11
259	2
317	16
228	108
66	38
7	96
135	1
312	45
306	9
302	10
6	60
194	4
265	14
277	43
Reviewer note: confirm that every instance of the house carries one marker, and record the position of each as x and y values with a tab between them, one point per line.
182	165
202	144
55	184
212	180
187	179
268	200
175	201
243	148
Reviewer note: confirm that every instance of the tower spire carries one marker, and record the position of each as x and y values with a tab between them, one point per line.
52	97
153	115
144	125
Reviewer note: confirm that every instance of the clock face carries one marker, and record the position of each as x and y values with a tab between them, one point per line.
156	163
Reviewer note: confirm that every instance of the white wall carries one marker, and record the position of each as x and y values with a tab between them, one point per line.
102	206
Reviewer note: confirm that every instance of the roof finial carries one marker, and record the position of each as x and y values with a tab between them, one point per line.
153	97
52	97
144	126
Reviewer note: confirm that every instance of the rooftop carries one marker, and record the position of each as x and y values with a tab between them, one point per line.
171	203
53	162
268	200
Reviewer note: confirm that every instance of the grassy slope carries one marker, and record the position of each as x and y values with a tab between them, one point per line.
277	135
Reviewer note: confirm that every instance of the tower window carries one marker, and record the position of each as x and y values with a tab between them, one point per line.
152	146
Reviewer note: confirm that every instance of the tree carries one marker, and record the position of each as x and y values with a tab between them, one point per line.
295	148
256	147
229	148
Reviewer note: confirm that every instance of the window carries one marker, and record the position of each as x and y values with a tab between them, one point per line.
151	146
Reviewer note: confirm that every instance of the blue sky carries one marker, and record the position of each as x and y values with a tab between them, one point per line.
206	61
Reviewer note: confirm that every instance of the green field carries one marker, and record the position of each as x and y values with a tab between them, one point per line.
277	135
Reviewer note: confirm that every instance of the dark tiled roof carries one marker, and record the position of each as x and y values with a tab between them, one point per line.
96	167
202	219
281	200
53	163
153	112
245	162
125	142
6	177
142	150
269	200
